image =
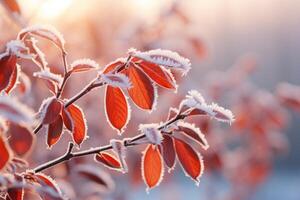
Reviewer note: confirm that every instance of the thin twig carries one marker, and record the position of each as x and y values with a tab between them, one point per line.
129	142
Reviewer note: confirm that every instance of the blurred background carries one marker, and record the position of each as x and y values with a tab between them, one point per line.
241	53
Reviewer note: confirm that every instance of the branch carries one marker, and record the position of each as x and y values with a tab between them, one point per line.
128	142
92	85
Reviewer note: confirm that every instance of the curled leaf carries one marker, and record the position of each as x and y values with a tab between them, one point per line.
83	65
44	31
108	160
75	121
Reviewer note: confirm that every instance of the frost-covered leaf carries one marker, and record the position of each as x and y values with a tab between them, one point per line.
44	31
108	160
168	151
7	68
97	176
142	92
189	159
50	110
152	167
120	150
54	131
222	114
14	111
193	132
18	48
4	152
116	80
114	65
20	139
39	58
49	189
159	75
47	75
152	132
83	65
75	121
116	108
165	58
13	79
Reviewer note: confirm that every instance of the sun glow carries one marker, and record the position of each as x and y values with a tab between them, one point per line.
48	9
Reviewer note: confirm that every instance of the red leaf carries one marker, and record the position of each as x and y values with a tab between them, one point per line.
12	6
13	79
191	131
108	160
54	131
142	91
75	121
20	139
4	152
172	113
116	108
114	65
189	159
83	65
168	151
157	74
7	67
152	166
46	181
50	110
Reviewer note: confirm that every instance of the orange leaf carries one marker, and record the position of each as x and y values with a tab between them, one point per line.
75	121
190	161
54	131
20	139
108	160
152	166
157	74
142	91
7	68
116	107
4	152
168	151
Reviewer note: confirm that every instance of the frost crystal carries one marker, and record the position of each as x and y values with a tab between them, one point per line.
19	49
222	114
152	133
120	150
164	57
85	62
116	80
46	74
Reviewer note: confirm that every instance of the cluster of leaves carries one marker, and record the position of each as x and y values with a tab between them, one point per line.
138	75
